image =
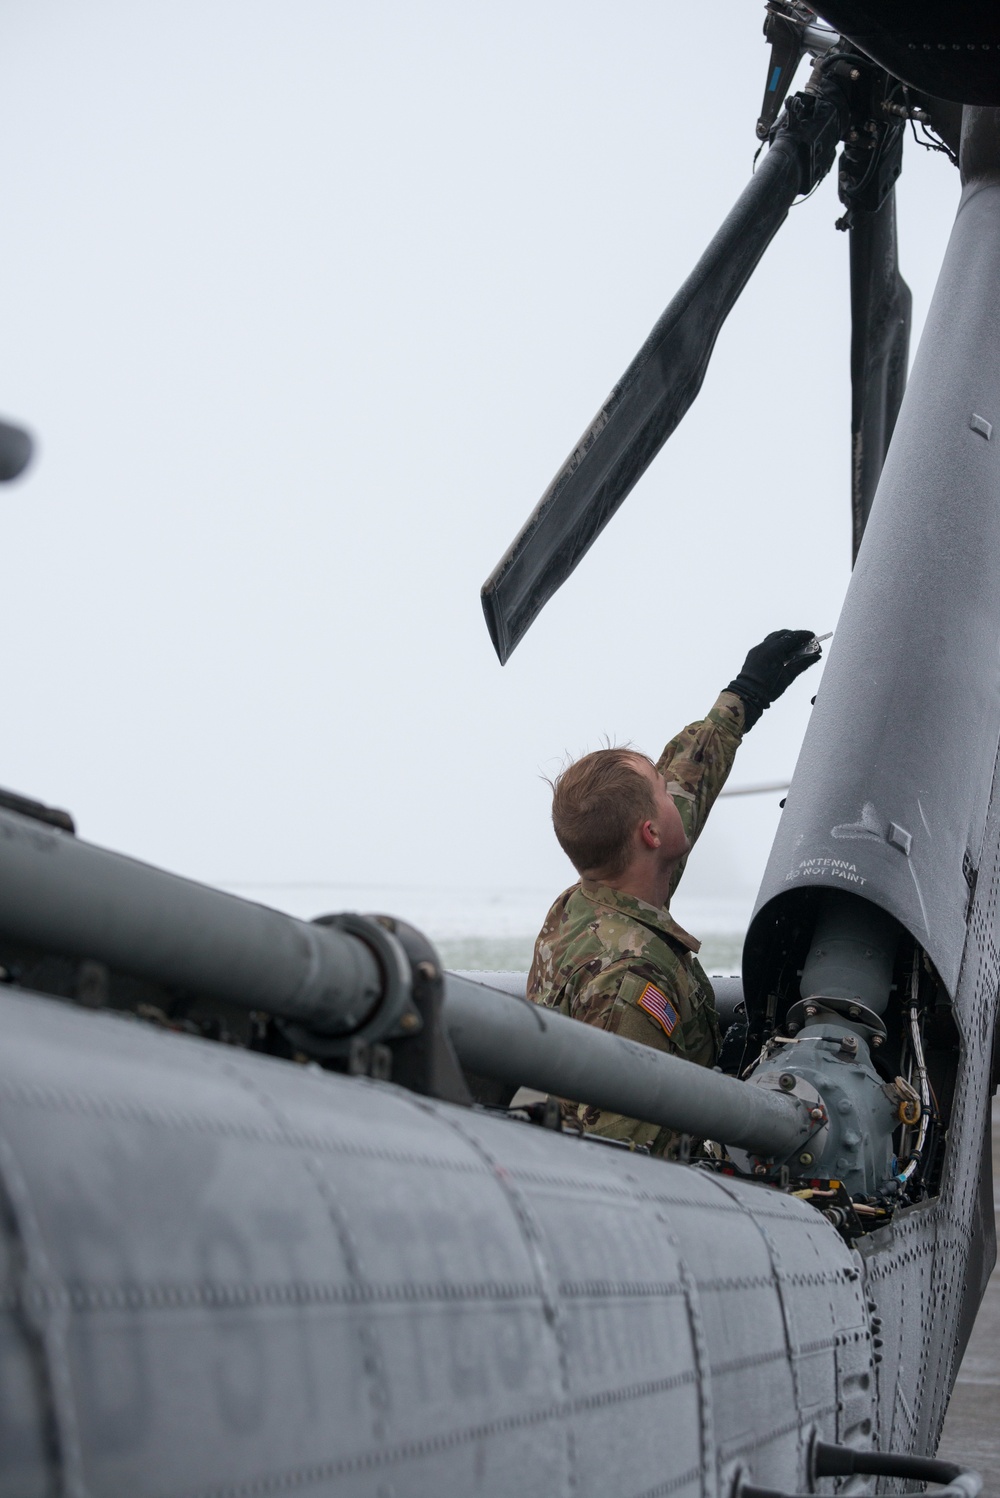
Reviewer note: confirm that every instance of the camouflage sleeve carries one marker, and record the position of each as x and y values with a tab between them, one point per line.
545	978
611	1001
696	764
607	1000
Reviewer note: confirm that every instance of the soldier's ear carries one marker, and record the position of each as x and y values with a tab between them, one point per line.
649	835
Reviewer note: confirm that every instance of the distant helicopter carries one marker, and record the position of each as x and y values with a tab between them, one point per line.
257	1236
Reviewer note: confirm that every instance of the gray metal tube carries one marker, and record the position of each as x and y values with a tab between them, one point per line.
66	896
62	895
852	952
514	1041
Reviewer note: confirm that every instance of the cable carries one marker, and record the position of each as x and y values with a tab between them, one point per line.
845	1461
922	1078
799	201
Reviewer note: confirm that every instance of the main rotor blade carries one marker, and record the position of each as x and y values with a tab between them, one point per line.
652	395
881	306
16	448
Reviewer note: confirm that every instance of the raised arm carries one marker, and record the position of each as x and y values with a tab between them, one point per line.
697	762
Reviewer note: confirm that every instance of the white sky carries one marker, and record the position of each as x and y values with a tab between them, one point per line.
306	302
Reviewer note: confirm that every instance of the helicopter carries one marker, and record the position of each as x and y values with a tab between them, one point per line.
268	1221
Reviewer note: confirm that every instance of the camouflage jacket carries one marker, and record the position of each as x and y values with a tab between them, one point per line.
612	960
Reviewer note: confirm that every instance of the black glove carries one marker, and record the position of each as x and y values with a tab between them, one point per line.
770	667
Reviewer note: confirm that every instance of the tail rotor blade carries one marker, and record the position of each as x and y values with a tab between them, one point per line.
659	385
880	340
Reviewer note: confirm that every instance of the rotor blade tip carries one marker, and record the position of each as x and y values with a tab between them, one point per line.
495	622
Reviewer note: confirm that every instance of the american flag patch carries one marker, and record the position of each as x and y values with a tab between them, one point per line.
659	1007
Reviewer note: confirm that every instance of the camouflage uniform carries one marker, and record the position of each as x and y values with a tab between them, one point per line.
599	949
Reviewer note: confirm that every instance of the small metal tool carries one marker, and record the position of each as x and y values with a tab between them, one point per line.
811	647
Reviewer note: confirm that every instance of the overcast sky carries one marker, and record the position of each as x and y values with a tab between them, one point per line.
306	303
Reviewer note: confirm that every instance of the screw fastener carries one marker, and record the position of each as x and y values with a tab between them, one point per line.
805	1158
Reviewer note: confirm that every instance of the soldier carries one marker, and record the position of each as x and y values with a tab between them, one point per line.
610	953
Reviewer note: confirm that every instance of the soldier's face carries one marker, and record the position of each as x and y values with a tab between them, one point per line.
674	841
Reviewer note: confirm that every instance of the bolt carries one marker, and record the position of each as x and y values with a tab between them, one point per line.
855	1013
811	1010
786	1082
805	1158
854	74
410	1020
817	1115
876	1041
760	1170
852	135
427	970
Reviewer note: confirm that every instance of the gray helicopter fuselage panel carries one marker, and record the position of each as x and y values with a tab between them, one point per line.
228	1273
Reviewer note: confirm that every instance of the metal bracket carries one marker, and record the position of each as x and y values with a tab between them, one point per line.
813	123
366	1060
785	35
422	1057
393	1016
403	1038
818	1008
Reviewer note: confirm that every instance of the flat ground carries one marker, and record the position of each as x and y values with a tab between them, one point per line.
972	1429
